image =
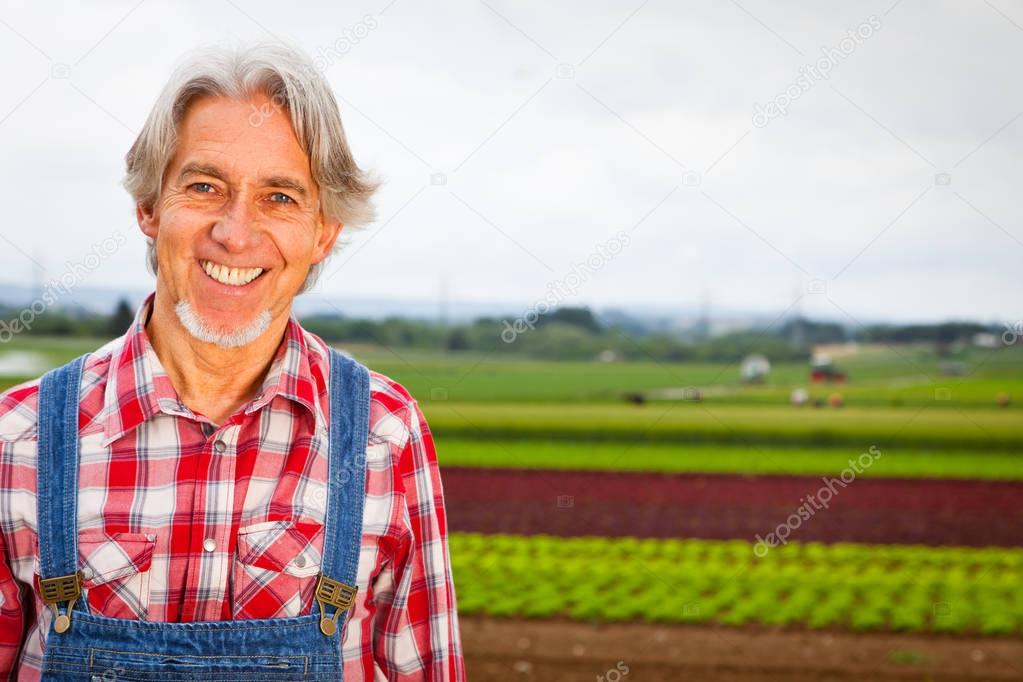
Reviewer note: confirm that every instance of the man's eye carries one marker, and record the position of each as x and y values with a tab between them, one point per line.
203	187
281	198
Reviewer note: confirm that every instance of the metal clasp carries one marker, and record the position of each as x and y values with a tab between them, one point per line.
62	588
336	594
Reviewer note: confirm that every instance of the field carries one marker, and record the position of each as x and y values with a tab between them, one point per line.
600	521
859	587
729	458
595	532
719	506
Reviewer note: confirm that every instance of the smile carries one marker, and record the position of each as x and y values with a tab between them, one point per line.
235	277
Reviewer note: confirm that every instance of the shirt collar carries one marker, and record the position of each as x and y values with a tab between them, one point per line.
138	387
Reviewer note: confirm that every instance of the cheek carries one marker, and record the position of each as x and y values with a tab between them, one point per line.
295	242
181	219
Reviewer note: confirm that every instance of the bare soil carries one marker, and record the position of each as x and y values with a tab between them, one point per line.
565	651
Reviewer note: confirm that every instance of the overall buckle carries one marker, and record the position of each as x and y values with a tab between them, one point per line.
336	594
62	588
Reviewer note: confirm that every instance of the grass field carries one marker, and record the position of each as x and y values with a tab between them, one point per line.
879	377
488	410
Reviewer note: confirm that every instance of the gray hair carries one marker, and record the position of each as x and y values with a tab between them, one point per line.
289	78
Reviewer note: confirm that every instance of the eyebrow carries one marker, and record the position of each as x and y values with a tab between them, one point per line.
281	181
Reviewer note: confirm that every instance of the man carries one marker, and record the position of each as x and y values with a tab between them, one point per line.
226	467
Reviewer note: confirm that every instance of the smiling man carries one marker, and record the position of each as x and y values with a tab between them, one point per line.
218	494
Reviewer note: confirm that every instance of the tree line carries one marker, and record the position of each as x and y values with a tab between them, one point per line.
564	333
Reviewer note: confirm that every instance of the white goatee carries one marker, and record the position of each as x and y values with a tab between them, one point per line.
202	330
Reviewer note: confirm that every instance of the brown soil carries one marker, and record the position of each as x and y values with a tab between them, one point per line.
562	651
871	510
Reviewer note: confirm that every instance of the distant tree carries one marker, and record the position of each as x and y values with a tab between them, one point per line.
458	340
576	317
121	319
55	324
945	333
810	332
363	330
561	342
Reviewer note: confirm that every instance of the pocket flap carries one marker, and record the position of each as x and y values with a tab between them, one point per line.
283	546
107	556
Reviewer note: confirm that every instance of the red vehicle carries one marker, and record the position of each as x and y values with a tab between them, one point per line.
822	371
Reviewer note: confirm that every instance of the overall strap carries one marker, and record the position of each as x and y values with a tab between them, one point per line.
57	488
346	488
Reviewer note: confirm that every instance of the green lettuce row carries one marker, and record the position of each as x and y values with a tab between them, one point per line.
858	587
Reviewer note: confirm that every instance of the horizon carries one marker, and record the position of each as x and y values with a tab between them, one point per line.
316	303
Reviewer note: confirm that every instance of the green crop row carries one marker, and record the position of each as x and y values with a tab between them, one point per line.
707	458
859	587
693	423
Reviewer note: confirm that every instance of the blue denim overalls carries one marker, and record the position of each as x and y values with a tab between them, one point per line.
84	646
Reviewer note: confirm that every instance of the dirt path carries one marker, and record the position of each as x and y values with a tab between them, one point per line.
562	651
906	511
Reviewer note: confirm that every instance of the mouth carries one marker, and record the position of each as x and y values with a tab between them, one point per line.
230	276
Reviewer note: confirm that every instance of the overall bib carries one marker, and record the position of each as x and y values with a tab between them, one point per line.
83	646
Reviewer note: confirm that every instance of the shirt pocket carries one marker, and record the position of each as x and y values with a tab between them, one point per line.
275	569
116	572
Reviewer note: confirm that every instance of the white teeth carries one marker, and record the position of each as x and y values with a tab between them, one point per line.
230	276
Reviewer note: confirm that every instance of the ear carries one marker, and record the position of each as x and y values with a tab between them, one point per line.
329	232
148	220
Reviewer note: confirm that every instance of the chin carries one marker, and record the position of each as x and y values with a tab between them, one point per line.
234	336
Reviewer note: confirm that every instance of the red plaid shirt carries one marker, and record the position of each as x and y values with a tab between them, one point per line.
181	519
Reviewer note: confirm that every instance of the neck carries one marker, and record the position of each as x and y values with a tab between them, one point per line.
211	380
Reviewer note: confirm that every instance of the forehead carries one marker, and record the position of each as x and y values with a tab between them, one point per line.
241	136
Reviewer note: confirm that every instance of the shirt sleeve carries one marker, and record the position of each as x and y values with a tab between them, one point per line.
415	629
12	621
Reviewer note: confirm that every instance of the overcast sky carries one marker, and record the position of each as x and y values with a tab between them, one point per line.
888	189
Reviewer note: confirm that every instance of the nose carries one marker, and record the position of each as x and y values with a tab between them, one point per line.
237	227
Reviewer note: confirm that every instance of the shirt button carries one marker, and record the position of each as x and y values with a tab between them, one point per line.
209	544
86	573
300	561
220	446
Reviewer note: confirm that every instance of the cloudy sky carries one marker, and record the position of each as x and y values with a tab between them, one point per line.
852	160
